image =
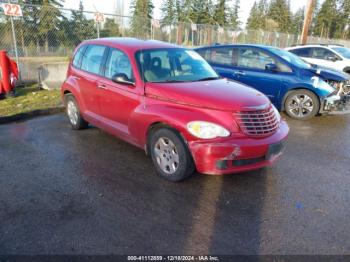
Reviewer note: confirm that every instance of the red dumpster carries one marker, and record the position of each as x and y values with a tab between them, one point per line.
8	73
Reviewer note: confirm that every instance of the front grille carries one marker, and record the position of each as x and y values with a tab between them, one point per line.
258	122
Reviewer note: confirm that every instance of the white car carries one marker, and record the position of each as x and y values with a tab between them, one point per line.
331	56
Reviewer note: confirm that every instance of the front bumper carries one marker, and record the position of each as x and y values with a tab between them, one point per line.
336	105
236	155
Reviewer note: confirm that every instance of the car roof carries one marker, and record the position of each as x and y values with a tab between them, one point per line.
130	44
238	45
314	45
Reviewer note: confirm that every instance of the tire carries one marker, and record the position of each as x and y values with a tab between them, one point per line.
170	155
73	113
347	70
301	104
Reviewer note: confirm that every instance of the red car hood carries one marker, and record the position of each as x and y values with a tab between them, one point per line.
216	94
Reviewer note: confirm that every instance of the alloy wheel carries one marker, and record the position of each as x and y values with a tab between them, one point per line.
300	105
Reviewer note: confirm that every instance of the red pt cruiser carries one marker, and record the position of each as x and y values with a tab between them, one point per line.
168	101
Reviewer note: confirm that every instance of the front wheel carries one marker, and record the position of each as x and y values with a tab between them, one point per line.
170	155
302	104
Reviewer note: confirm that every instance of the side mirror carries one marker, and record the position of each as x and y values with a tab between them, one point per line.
123	79
271	67
332	58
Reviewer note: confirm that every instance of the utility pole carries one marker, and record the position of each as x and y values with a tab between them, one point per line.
307	21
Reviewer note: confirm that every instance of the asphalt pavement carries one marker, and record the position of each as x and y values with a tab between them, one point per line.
86	192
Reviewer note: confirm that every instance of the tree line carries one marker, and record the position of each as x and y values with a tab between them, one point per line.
46	24
331	19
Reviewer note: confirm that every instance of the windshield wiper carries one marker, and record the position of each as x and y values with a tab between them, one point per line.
209	78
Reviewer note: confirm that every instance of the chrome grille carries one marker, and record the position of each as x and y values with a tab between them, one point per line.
258	122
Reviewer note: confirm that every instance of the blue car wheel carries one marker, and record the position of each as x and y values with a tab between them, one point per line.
302	104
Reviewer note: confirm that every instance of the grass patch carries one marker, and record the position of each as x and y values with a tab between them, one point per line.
28	99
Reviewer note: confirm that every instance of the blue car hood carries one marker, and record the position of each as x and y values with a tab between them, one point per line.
328	74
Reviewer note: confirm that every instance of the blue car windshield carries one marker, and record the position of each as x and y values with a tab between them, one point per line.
173	65
289	57
343	51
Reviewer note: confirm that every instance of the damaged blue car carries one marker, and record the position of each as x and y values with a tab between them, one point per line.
293	85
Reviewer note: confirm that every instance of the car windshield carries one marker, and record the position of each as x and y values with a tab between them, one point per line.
291	58
173	65
343	51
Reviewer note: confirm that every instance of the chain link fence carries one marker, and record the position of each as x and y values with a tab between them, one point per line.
47	35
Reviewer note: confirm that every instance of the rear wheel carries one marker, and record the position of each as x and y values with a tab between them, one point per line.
302	104
170	155
73	112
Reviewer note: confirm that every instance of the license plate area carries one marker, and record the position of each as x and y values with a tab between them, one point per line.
275	149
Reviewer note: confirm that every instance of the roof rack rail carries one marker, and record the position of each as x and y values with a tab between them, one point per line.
322	44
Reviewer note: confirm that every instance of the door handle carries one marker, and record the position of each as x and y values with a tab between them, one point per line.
102	86
239	73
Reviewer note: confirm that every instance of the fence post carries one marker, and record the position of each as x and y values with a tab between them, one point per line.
98	29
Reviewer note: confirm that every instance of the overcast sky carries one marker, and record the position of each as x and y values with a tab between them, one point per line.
108	6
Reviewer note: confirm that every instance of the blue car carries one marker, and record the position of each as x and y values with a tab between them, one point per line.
293	86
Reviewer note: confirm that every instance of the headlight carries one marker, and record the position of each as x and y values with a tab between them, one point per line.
278	115
325	86
206	130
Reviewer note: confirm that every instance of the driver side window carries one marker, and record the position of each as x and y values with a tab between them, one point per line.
255	59
322	53
118	63
251	58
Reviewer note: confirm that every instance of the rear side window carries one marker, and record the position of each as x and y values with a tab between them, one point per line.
222	55
322	53
303	52
78	56
118	63
205	53
93	58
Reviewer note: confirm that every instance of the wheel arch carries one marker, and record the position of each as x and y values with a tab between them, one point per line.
158	125
71	89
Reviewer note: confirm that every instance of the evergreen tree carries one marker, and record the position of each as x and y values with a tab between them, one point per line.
197	11
220	13
257	17
142	11
263	8
201	12
184	9
169	12
234	22
326	19
41	19
254	21
81	27
343	23
297	21
314	16
110	29
279	11
49	17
